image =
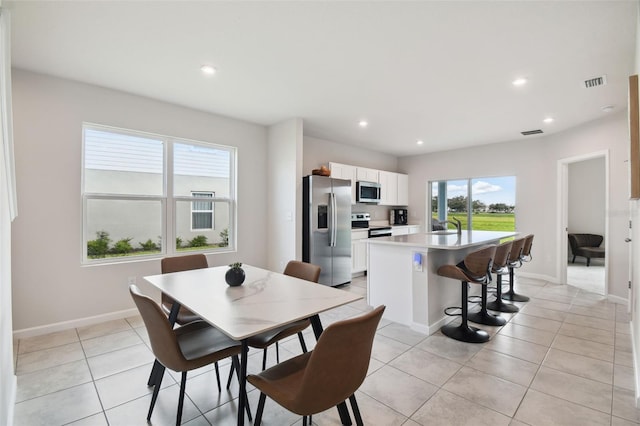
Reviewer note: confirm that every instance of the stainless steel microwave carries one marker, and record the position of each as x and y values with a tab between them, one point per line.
367	192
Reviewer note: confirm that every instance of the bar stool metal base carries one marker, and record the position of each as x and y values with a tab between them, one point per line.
499	306
484	317
465	333
514	297
511	294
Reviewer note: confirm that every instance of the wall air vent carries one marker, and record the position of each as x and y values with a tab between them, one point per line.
595	82
531	132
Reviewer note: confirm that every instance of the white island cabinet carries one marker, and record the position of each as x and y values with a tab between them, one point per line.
402	274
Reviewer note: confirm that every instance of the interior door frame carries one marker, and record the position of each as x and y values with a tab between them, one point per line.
563	213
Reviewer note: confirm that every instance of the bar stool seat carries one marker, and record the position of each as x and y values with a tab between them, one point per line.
500	268
475	269
524	256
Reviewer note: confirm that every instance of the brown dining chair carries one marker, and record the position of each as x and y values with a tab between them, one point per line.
185	316
179	264
304	271
183	349
325	377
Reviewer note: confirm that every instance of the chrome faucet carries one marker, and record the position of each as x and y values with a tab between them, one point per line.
455	222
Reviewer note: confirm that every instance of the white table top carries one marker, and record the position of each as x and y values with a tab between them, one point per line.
265	301
451	241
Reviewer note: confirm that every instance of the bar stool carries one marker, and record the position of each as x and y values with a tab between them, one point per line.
475	269
524	256
499	264
511	250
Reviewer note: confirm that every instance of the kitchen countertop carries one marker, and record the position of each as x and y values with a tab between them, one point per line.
450	241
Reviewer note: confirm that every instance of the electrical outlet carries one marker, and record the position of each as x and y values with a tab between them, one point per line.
131	281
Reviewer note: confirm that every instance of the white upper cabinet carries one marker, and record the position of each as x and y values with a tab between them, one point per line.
403	190
367	175
388	188
394	187
345	171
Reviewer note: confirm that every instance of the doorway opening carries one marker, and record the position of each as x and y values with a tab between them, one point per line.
584	200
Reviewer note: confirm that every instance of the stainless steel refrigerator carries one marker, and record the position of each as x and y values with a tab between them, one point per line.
326	227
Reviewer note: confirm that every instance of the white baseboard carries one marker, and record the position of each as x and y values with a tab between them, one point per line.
617	299
538	277
636	378
81	322
12	400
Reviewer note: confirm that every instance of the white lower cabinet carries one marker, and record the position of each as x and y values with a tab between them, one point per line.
399	230
359	251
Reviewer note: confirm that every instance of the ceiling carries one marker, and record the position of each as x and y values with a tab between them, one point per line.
440	72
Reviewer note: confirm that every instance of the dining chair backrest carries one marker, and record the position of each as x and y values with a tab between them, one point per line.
183	263
164	342
179	264
339	362
302	270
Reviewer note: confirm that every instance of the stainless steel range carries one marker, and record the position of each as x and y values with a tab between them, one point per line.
361	221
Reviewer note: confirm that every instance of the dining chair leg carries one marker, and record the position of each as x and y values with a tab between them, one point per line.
156	390
215	365
264	359
183	384
303	344
261	401
356	410
278	351
304	420
230	375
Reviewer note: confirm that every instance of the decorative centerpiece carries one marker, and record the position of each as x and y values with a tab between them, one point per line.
235	275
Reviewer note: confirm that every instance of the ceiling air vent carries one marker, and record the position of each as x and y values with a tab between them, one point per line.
595	82
531	132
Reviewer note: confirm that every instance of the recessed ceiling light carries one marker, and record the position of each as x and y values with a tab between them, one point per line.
608	108
363	123
519	81
208	69
548	120
419	141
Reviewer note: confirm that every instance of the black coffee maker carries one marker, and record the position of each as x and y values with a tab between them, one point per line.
398	216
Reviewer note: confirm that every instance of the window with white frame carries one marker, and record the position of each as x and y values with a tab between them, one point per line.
486	203
202	211
138	197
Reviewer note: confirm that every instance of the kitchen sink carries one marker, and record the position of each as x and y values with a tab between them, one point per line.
449	232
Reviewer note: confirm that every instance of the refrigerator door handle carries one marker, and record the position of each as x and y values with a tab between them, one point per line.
333	224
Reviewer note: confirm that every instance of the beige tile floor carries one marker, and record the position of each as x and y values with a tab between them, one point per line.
564	359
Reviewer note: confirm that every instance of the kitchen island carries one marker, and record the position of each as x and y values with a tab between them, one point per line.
402	274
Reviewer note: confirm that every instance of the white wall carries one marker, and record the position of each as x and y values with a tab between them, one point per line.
49	285
285	199
586	198
635	255
534	163
7	351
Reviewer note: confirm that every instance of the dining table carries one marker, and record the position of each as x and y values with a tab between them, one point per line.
266	300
